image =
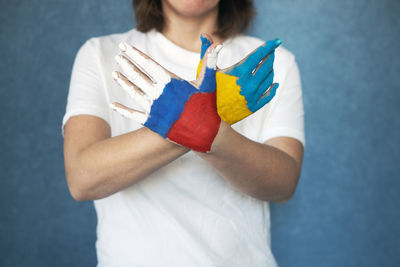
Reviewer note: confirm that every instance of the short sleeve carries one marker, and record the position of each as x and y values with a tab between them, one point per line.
86	91
287	114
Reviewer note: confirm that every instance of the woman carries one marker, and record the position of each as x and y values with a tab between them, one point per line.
159	203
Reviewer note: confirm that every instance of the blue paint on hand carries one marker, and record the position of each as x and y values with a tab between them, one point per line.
254	59
265	69
254	85
264	99
167	109
209	83
205	44
169	106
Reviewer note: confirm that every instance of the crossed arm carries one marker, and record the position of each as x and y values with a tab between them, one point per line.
97	165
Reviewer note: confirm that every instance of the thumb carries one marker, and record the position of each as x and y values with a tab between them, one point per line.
209	63
206	81
206	41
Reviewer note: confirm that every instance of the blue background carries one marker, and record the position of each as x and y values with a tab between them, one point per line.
346	210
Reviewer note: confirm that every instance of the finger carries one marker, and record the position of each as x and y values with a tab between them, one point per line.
264	87
264	70
157	73
254	59
267	97
130	113
249	63
262	62
208	69
130	70
137	77
138	95
206	41
210	58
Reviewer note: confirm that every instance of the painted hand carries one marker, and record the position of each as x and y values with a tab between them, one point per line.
247	86
180	111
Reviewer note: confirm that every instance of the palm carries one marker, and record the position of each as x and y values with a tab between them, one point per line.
247	86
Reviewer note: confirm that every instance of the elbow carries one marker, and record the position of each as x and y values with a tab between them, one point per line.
278	195
288	185
287	190
78	194
285	195
280	192
77	189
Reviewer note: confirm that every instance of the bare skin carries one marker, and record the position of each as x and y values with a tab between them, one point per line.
187	19
97	165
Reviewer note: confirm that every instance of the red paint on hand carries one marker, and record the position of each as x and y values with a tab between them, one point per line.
198	124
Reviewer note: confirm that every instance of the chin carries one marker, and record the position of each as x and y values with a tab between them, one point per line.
192	8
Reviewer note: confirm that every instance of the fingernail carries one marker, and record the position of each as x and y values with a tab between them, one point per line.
115	75
123	47
112	105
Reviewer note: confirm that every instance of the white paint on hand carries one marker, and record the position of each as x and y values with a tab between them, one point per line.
213	57
126	67
136	115
142	100
157	73
136	78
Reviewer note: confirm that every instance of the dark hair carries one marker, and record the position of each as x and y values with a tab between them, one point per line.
233	16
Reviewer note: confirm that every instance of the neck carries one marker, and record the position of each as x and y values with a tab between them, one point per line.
185	31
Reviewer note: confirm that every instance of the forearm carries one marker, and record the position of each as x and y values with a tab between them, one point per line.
113	164
256	169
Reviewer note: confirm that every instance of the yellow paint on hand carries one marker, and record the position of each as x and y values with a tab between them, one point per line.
231	105
199	68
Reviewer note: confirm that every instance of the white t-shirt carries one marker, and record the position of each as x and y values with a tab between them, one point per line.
184	214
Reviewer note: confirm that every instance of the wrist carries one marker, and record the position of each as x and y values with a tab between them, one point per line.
221	140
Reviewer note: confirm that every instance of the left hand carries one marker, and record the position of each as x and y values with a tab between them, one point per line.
247	86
